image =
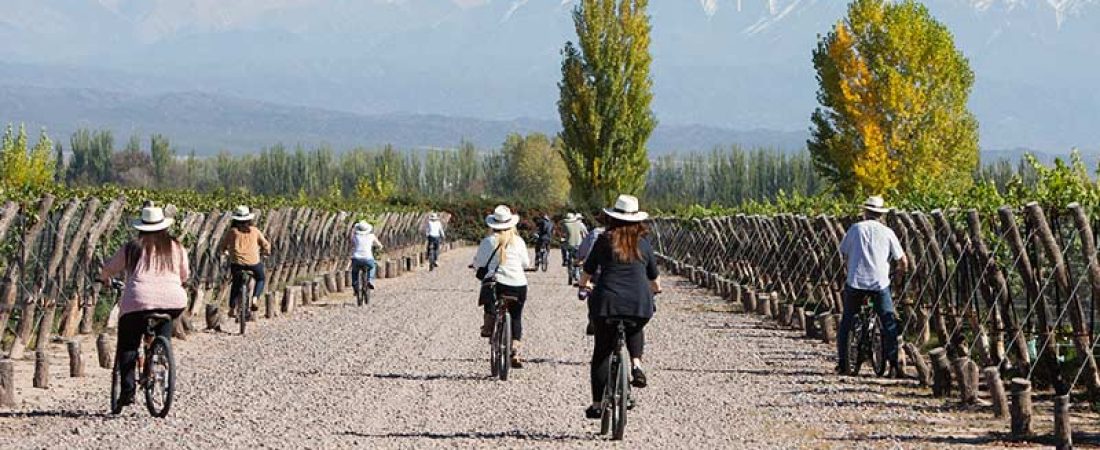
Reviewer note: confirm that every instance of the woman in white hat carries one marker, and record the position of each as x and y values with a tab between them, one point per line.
505	256
244	244
623	256
363	241
156	268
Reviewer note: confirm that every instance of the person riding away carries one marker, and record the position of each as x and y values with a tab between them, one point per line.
244	244
544	232
575	231
583	251
869	246
624	258
504	254
435	233
363	241
157	267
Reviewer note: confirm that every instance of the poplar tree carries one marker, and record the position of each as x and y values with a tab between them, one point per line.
604	104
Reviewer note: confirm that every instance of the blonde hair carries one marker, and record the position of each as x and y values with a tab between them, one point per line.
504	240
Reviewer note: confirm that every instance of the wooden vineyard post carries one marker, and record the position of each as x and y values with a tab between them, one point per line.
996	391
288	300
798	317
76	364
41	370
968	388
7	383
912	353
941	372
1021	407
827	327
1027	275
270	309
1088	247
103	351
1063	434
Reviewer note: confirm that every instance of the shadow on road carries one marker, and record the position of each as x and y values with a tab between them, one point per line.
418	376
67	414
480	435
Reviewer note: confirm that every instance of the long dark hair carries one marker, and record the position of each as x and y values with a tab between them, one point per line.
153	249
624	238
244	226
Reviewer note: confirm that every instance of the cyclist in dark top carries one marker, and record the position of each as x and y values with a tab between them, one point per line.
544	232
624	258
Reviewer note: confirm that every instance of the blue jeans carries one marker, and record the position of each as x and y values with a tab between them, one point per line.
258	276
884	306
358	264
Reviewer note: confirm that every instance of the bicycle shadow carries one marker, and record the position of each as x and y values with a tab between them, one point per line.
64	414
477	435
417	376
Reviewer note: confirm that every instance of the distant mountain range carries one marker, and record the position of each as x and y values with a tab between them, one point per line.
719	65
209	123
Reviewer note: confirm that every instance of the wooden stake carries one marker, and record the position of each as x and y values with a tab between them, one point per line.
1021	407
76	364
1063	433
41	370
924	374
103	351
996	391
941	372
7	383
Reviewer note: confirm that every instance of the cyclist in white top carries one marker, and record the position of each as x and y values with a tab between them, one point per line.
435	234
505	256
870	246
363	242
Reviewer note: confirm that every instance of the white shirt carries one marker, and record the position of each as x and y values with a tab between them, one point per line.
511	272
870	246
435	229
362	245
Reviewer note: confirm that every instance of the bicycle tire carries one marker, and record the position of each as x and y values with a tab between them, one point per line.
506	347
878	357
606	405
243	307
160	368
116	388
855	347
363	288
494	349
622	397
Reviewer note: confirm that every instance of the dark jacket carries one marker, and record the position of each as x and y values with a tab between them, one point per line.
623	288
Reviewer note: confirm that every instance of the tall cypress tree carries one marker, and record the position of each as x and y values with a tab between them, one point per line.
605	100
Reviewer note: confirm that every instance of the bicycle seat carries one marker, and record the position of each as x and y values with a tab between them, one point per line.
622	320
509	299
158	318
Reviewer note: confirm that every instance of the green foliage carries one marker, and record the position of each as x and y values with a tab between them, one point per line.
605	96
893	91
530	168
23	167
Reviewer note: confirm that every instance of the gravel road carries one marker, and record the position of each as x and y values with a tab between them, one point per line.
409	371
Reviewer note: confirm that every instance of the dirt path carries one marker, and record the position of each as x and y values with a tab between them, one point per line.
409	371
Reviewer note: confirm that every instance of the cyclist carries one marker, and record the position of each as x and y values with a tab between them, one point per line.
435	234
575	231
582	254
869	246
157	267
363	241
624	258
505	256
244	244
544	232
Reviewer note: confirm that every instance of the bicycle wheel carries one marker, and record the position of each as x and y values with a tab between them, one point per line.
855	353
878	356
622	396
160	370
243	307
506	347
545	263
494	348
116	388
607	406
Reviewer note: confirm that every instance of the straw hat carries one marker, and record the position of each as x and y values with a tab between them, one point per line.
433	216
876	204
362	227
570	217
243	214
626	210
152	219
501	218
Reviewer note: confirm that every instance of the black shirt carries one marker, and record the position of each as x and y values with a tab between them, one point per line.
623	288
545	229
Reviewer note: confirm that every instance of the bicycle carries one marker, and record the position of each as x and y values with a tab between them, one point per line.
157	365
362	297
865	340
616	393
542	256
572	269
244	299
500	343
433	253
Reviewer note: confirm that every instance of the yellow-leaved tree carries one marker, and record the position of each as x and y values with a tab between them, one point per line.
20	166
893	91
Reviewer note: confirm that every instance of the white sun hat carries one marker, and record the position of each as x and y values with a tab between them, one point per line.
876	204
243	214
626	210
570	217
501	218
152	219
362	227
433	216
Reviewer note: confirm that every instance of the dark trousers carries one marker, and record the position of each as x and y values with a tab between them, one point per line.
606	334
257	271
884	306
358	264
131	327
433	244
516	309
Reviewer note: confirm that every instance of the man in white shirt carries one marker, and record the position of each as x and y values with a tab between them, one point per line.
869	246
434	232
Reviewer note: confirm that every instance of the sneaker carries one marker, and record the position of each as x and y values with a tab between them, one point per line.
255	304
370	285
593	412
590	330
637	378
126	398
841	368
232	313
517	363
